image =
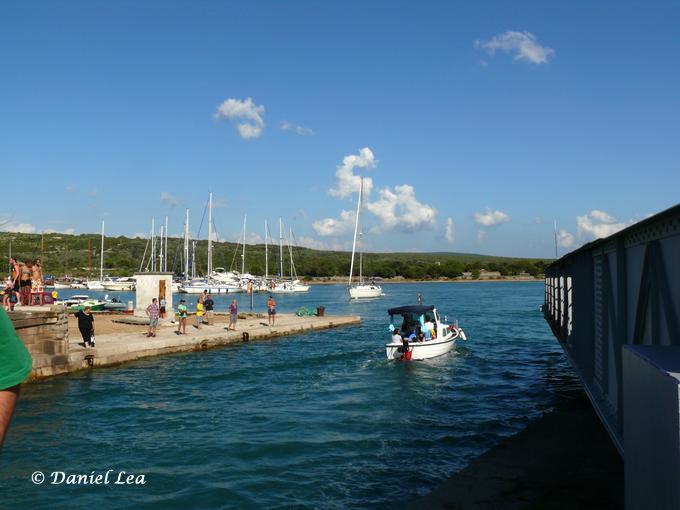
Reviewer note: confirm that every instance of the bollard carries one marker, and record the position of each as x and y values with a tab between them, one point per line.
320	311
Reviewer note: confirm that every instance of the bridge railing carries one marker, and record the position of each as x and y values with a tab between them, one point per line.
624	289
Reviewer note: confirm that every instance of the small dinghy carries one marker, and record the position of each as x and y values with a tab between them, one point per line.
421	334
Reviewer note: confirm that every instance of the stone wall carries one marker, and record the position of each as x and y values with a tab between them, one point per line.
43	329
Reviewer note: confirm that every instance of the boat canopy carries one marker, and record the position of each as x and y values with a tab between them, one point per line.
418	309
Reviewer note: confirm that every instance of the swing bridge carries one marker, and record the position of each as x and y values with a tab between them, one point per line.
614	307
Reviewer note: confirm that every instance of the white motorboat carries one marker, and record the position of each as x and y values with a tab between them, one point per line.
119	284
361	290
200	285
78	285
62	285
94	285
416	319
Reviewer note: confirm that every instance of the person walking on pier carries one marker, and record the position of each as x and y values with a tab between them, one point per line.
233	315
182	316
271	310
152	311
86	326
209	305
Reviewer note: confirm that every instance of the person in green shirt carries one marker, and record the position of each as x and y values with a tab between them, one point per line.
182	316
15	366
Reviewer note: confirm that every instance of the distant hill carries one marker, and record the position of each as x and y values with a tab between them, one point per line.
78	255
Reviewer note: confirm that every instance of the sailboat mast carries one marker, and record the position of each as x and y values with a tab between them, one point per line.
165	260
186	246
356	228
290	252
243	254
101	259
266	253
193	259
153	244
160	252
210	234
280	247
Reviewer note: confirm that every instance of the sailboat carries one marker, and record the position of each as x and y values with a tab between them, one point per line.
284	285
200	285
98	284
361	290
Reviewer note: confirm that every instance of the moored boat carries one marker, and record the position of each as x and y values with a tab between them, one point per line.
439	338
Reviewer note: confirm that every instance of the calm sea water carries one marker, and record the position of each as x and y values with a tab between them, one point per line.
319	420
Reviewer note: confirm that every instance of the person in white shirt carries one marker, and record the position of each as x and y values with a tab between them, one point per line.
396	337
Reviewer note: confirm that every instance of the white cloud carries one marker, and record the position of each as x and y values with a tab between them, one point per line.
246	116
398	208
596	224
490	217
565	239
310	242
254	238
449	231
67	231
144	235
167	198
333	227
20	228
70	188
300	130
348	183
522	45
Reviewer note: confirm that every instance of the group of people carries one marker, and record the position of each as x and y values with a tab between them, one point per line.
425	330
26	278
205	313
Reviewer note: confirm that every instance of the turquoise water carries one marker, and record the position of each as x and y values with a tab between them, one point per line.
319	420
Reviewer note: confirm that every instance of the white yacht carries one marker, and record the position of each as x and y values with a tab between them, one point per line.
119	284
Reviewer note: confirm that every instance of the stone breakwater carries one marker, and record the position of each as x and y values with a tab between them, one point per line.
46	334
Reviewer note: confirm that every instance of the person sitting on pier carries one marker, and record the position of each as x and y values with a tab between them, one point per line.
86	326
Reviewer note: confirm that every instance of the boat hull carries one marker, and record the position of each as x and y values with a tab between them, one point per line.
365	292
212	289
423	350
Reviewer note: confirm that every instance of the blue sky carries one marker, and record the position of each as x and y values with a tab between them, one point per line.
478	123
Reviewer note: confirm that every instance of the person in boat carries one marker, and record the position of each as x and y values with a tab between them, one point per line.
421	337
396	337
406	349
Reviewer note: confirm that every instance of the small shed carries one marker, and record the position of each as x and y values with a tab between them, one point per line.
153	285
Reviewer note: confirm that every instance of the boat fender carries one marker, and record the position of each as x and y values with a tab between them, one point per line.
462	334
408	355
246	336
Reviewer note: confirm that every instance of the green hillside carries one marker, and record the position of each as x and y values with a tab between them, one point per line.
78	255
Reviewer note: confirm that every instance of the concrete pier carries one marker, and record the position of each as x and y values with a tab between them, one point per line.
132	343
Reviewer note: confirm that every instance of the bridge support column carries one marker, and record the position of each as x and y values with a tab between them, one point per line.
651	426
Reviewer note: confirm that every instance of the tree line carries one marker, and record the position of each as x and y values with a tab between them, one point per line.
78	255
